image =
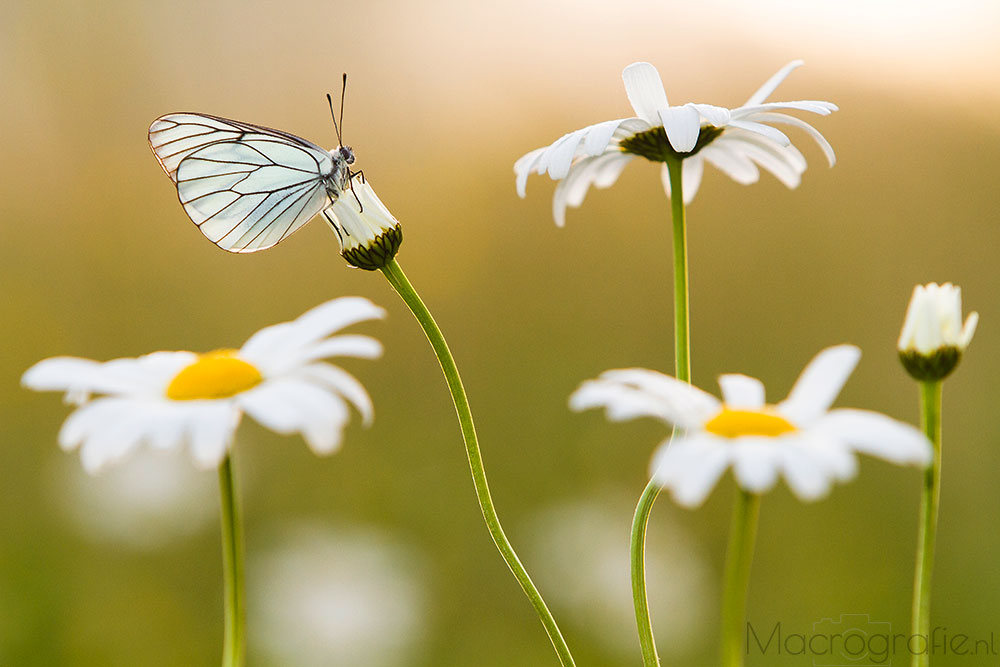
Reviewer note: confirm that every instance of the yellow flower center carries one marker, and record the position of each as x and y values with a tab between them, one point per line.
730	423
218	374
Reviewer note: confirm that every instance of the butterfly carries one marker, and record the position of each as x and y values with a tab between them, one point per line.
247	186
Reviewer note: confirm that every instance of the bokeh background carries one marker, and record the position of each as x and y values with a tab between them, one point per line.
378	556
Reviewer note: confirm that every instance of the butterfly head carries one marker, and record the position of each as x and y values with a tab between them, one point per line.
346	153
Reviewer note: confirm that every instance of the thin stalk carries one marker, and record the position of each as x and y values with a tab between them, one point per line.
394	274
234	641
682	366
930	422
739	555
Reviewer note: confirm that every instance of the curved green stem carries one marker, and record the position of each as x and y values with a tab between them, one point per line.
682	365
234	642
739	555
394	274
930	421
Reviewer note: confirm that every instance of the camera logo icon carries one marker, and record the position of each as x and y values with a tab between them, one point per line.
853	640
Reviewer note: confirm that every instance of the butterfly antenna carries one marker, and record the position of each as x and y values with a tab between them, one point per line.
343	93
336	127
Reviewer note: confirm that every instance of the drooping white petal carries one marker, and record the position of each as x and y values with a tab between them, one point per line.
741	391
682	125
645	91
771	84
806	473
731	162
833	454
784	162
968	330
752	112
601	171
878	435
820	383
344	384
211	425
688	406
288	406
563	152
755	463
523	168
777	136
692	170
820	140
690	466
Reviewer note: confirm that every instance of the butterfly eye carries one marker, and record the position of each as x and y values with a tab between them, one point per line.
347	153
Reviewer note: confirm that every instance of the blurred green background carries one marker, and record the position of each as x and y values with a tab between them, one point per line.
393	563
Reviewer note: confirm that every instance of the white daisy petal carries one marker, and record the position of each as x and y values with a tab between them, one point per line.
774	135
621	402
601	171
820	383
732	163
347	345
784	162
563	152
717	116
687	405
645	91
522	169
771	84
691	173
344	384
682	125
690	467
877	435
805	473
741	391
211	425
62	374
824	145
755	463
599	135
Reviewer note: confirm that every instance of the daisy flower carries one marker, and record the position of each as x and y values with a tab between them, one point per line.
737	141
800	438
933	337
170	399
369	234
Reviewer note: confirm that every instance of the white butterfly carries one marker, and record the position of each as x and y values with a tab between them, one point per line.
247	187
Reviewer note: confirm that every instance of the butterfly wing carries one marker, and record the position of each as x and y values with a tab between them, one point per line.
246	187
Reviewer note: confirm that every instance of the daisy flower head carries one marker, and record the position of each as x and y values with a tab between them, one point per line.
800	438
167	400
933	337
738	142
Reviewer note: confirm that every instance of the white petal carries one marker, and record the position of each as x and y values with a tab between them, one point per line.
805	473
346	345
818	107
344	384
968	330
682	125
598	136
601	171
690	467
522	169
62	374
820	383
563	152
692	169
784	162
732	163
211	426
771	84
288	406
717	116
686	405
755	463
878	435
281	340
777	136
742	391
621	402
824	145
645	91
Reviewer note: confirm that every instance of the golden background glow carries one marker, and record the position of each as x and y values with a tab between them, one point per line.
99	260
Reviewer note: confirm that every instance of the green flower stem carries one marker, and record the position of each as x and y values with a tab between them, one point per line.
234	642
394	274
739	555
930	421
682	365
